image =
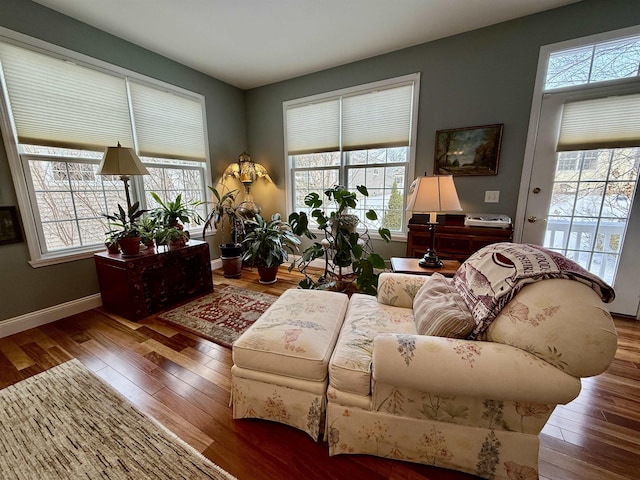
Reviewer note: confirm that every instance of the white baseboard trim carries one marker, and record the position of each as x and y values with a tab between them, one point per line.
48	315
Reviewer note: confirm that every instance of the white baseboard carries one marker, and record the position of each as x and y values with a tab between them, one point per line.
48	315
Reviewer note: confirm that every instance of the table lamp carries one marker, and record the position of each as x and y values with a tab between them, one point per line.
432	195
121	161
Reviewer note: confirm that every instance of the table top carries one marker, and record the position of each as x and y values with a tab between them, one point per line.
411	266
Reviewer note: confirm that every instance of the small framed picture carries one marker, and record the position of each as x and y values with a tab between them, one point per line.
9	226
468	151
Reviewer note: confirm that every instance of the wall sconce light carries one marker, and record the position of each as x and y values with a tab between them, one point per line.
122	161
432	195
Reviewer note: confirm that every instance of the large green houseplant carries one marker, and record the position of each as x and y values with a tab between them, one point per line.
345	243
267	245
226	216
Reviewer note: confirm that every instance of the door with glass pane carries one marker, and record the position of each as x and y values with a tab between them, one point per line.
582	202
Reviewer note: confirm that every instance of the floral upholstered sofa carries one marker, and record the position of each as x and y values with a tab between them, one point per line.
406	383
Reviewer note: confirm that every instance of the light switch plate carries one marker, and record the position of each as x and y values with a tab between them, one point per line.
492	196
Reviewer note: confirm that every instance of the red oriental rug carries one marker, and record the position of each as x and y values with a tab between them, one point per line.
221	316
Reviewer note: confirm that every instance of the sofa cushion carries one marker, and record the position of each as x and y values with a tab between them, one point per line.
350	365
562	322
439	310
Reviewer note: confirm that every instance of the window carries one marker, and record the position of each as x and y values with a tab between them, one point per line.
359	136
61	110
597	62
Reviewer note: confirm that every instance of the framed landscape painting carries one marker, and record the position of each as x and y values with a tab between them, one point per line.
468	151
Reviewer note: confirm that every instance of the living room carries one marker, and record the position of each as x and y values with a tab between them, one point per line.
481	77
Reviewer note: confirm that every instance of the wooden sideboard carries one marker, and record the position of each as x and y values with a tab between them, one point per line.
136	287
454	240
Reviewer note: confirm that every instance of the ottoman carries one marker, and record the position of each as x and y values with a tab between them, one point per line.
280	363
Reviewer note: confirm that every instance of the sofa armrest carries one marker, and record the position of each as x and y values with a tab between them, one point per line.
398	289
452	367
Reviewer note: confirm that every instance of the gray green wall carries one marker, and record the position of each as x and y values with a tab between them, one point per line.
24	289
481	77
477	78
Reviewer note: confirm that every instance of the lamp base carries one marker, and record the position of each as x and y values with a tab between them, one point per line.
430	260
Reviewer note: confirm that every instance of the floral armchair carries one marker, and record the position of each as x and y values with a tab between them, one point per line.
470	405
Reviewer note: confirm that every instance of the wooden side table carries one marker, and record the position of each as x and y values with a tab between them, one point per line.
410	265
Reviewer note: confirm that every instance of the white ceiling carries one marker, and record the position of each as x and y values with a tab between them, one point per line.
250	43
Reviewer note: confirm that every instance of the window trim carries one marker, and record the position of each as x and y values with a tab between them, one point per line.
16	166
387	83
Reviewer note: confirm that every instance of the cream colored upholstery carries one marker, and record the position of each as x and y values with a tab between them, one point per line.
475	406
281	361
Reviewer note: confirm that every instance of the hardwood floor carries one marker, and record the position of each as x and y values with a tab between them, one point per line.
183	381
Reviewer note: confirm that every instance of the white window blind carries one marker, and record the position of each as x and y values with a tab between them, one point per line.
167	125
314	127
61	104
377	118
611	122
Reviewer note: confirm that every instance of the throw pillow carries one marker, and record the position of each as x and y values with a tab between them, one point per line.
440	311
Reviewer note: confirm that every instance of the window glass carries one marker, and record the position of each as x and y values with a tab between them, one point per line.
594	63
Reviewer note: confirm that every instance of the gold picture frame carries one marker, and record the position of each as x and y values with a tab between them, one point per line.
470	151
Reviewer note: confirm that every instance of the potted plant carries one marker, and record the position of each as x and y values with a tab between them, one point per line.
348	253
111	242
174	213
149	231
127	229
174	237
267	246
224	211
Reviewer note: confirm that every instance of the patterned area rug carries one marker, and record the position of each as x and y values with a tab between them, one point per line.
66	423
223	315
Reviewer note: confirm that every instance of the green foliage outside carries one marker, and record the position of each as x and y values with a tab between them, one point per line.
393	217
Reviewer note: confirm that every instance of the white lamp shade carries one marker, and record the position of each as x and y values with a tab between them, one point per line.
121	161
434	194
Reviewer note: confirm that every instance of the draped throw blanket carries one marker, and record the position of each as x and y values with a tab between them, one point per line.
493	275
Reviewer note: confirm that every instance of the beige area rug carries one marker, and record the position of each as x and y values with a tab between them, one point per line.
65	424
221	316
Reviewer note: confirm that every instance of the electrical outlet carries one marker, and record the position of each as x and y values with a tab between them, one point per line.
491	196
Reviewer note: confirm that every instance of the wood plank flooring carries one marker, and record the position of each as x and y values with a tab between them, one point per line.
183	381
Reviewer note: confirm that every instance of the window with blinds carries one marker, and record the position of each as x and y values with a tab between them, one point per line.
360	136
63	112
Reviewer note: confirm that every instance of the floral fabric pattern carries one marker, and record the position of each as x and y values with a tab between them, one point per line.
398	289
254	399
491	454
350	366
281	362
519	417
473	406
560	321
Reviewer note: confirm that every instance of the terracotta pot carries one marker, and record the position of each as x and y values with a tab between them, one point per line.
129	246
268	275
176	244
